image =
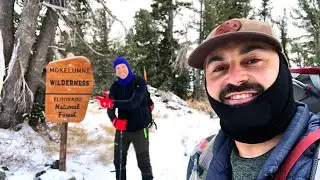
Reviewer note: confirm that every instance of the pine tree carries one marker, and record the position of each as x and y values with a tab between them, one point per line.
265	11
142	46
103	70
219	11
163	12
283	26
307	17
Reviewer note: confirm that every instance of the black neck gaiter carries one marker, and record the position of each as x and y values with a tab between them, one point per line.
265	117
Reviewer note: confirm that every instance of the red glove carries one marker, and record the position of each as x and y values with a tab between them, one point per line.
105	102
120	124
152	107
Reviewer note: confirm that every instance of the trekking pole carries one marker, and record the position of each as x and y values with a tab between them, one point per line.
120	169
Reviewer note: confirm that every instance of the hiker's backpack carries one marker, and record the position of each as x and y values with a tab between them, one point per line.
149	102
306	87
134	84
201	157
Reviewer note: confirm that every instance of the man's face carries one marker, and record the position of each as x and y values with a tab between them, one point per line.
238	72
122	71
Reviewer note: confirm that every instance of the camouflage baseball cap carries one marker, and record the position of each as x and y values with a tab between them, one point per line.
231	30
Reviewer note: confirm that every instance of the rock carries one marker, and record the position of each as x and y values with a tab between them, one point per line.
54	165
5	168
165	101
40	173
17	127
72	178
173	108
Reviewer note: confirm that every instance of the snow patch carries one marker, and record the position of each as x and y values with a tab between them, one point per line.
180	128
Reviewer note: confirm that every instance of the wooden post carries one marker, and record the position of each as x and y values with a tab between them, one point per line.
63	146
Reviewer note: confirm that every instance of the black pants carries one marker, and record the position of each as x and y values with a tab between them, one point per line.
140	141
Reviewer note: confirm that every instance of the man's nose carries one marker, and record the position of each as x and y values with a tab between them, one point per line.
237	75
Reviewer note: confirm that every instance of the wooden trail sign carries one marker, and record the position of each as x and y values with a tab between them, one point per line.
69	84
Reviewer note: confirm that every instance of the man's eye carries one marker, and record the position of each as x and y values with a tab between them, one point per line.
251	61
217	69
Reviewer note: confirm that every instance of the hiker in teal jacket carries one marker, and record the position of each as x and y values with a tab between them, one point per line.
249	86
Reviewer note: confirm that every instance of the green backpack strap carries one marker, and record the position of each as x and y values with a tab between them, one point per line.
202	158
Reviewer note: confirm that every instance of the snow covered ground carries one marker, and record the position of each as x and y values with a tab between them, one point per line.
90	146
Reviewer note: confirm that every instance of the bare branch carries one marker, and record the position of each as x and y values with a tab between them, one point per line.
113	16
180	63
91	12
55	7
12	61
2	63
77	33
23	94
56	53
59	48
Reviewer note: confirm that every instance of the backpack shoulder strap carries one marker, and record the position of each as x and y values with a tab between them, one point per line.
134	82
206	156
202	156
149	100
294	155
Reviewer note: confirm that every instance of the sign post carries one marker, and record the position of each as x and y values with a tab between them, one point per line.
69	84
63	146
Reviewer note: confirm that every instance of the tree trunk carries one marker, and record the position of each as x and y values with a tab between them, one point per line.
36	116
170	23
15	87
38	61
106	30
197	89
6	27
